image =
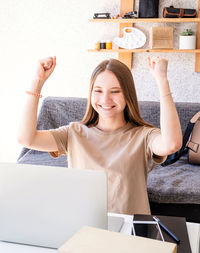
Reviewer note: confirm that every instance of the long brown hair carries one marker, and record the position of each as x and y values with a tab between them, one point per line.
125	78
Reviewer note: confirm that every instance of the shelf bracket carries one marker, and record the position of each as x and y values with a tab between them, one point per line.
126	6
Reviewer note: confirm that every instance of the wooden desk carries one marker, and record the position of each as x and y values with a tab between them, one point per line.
193	231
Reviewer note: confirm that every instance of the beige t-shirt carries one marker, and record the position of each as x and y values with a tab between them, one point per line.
125	155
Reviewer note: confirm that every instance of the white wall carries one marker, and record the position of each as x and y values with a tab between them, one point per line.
34	29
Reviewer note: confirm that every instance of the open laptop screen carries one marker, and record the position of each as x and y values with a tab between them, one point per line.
45	205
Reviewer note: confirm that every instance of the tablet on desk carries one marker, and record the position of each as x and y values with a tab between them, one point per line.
149	229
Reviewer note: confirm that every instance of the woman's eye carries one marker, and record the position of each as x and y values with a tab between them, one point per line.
97	90
115	91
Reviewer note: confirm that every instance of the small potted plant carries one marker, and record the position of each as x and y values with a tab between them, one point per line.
187	40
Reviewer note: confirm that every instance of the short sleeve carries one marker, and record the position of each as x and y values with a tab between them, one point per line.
153	133
61	137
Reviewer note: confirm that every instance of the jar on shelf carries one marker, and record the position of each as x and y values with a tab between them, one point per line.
102	44
97	45
108	44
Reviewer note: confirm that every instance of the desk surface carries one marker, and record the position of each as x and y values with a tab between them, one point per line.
193	231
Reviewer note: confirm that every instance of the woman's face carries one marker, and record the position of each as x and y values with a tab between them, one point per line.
107	96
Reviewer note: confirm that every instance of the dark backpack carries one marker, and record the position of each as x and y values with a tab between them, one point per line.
191	143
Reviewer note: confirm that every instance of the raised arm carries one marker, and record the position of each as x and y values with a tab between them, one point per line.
170	139
28	135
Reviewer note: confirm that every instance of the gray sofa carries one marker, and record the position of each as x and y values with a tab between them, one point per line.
173	190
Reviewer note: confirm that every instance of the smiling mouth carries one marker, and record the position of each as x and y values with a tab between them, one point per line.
107	108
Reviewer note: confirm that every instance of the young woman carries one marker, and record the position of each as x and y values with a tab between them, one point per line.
112	135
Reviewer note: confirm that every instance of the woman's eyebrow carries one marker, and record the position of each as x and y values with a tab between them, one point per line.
96	86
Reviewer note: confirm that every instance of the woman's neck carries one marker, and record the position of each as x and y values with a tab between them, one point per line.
110	124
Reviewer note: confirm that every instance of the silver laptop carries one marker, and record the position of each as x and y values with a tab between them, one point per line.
45	206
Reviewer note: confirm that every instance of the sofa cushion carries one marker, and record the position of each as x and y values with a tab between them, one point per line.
176	183
41	158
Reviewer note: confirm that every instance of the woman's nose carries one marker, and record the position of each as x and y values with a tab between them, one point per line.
106	97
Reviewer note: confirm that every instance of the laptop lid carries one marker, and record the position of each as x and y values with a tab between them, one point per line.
45	205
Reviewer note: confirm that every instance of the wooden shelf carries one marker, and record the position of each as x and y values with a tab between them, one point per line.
147	20
145	50
126	56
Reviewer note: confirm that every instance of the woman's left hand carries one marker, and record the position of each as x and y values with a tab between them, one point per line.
158	67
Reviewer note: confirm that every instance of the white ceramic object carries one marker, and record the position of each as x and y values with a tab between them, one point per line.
130	40
187	42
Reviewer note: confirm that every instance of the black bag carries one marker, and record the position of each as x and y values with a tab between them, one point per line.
191	143
171	12
148	8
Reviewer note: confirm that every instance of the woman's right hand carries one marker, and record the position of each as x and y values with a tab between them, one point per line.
28	135
45	68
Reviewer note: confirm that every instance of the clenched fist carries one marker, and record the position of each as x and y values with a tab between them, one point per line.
45	68
158	67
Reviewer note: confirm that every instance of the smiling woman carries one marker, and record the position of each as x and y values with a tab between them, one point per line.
112	79
108	101
112	135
